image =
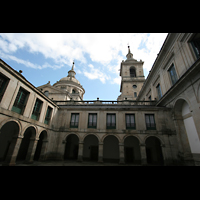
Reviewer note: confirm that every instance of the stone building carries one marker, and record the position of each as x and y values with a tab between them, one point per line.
153	121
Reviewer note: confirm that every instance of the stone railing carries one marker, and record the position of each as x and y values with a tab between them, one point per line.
101	102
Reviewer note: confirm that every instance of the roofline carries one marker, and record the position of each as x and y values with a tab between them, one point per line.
25	81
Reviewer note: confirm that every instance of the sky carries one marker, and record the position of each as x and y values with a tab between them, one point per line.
47	57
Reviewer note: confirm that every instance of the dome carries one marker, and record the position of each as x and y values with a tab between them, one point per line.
67	78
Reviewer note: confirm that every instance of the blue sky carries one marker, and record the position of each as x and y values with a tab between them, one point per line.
47	57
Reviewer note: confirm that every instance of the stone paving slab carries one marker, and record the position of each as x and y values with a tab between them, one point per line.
71	163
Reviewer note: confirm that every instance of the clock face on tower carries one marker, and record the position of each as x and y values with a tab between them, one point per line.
134	86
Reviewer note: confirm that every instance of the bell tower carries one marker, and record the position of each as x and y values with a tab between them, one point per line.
132	77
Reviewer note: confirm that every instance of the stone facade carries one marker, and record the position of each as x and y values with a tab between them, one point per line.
157	126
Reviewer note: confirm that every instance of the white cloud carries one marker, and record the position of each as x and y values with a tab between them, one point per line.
95	74
103	48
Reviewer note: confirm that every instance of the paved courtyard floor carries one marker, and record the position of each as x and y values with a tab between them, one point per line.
70	163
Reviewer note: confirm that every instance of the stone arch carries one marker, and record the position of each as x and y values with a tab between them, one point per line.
9	133
46	134
178	102
132	152
186	128
140	141
28	126
162	142
80	139
106	135
91	134
91	147
12	120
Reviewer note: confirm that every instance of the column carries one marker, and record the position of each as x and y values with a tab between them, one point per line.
31	150
43	150
143	154
13	151
121	153
163	153
100	158
80	152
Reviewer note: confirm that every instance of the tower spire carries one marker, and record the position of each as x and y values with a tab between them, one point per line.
73	66
129	55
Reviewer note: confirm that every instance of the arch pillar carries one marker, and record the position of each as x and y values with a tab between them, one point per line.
31	150
100	156
121	153
143	154
12	154
80	152
43	150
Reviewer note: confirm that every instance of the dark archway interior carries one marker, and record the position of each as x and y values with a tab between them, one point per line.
38	150
154	151
132	150
29	133
71	147
111	149
7	132
91	148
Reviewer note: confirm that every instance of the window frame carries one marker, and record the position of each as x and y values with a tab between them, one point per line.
75	123
16	105
173	74
150	126
48	115
36	111
159	91
111	125
5	84
93	123
134	124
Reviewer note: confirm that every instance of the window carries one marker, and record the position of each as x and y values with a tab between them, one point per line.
74	120
36	110
48	115
173	74
3	84
20	101
132	72
159	91
46	93
150	122
73	91
111	121
134	86
130	121
196	45
92	120
135	94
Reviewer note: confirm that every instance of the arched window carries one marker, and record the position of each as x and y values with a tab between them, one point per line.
132	72
46	93
73	91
